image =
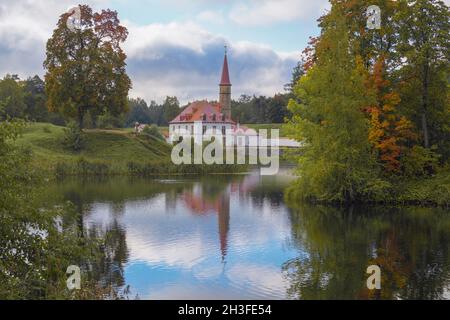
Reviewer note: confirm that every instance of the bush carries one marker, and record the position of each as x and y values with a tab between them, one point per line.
153	131
420	161
82	168
163	168
433	190
108	121
73	137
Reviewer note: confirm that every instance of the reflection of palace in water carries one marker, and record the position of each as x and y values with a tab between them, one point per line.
205	199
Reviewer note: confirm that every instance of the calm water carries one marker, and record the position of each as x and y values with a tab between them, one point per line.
236	238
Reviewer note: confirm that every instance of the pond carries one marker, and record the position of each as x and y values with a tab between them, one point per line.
235	237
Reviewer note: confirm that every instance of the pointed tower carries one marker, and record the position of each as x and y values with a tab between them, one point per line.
225	89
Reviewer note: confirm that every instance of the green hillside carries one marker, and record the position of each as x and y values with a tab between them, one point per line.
113	147
106	152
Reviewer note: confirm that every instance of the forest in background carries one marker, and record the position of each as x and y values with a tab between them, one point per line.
27	99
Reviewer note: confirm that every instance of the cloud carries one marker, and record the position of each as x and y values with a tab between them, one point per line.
185	60
266	12
177	58
25	26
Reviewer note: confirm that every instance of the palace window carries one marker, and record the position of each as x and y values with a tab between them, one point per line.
204	129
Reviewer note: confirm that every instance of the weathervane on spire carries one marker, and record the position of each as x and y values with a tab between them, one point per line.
226	49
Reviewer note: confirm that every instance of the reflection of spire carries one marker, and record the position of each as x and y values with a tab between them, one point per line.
200	204
224	222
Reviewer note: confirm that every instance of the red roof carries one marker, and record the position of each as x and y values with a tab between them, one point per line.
202	111
225	81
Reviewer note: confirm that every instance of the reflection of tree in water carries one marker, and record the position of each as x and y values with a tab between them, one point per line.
410	246
107	270
259	195
259	189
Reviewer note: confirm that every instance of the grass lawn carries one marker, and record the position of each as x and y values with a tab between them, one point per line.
116	146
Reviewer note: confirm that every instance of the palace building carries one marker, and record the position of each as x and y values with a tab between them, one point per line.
206	119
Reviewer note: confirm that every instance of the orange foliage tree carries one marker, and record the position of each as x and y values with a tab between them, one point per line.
389	133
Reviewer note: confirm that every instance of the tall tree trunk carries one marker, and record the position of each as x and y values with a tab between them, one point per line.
80	118
426	137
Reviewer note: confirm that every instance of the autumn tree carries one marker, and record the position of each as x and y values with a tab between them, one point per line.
336	164
86	65
389	132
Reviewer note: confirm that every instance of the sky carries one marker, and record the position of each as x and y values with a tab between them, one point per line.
176	47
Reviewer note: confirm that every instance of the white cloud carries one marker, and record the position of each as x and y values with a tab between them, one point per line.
185	60
25	26
177	58
266	12
266	280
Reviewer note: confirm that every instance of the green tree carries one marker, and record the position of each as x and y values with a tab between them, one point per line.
86	66
337	163
424	45
139	112
11	97
73	137
277	108
156	113
260	109
171	108
240	109
35	99
297	73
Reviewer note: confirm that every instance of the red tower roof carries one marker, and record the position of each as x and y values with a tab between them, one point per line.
225	75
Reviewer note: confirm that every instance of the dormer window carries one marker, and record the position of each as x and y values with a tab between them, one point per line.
223	117
214	117
204	117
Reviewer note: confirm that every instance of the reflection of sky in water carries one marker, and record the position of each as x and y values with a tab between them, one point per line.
201	245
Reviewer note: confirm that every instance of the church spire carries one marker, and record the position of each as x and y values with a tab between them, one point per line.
225	81
225	89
